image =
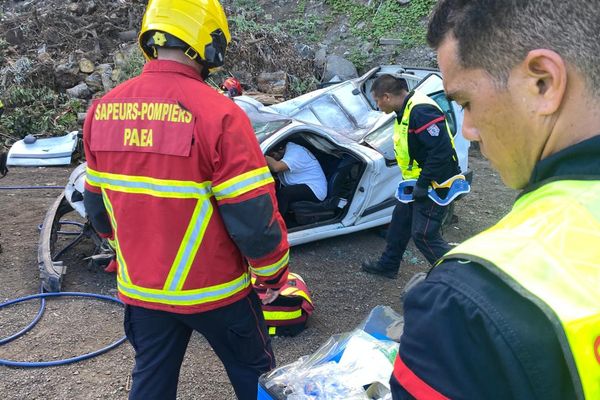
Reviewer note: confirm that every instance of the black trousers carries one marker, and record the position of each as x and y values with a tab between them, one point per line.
237	333
289	194
420	220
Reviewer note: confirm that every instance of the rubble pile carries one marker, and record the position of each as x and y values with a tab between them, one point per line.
79	49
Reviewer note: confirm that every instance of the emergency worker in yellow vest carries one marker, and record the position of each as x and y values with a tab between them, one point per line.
425	151
176	180
514	313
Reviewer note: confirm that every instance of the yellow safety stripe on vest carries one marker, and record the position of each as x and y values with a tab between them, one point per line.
122	270
164	188
185	297
282	315
189	245
290	291
400	136
547	250
272	269
242	183
272	330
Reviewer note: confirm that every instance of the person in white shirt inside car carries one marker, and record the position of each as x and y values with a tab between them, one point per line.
299	173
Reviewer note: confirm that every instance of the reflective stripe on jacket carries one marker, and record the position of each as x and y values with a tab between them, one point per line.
170	173
292	307
547	250
409	167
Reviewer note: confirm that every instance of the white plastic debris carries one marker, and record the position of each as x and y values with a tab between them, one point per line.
43	152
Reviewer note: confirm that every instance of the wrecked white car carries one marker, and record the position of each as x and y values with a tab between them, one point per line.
341	126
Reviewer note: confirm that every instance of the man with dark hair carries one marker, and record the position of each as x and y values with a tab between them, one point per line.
514	313
299	173
425	151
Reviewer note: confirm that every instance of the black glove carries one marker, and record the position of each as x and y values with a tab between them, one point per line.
420	193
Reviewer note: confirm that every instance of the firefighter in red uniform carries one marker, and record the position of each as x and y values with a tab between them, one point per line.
177	182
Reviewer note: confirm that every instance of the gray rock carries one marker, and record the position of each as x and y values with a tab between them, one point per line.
105	71
86	66
94	82
273	82
66	75
366	47
128	36
42	54
339	66
304	50
119	59
321	57
389	41
81	91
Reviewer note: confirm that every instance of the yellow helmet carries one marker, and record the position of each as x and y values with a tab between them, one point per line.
198	27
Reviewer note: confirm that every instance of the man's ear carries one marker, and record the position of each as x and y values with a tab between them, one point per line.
546	73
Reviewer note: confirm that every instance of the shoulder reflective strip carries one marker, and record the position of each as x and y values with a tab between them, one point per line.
272	269
122	270
282	315
185	297
413	384
272	330
189	245
295	292
147	185
243	183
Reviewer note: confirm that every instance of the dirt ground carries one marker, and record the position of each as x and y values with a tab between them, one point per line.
343	296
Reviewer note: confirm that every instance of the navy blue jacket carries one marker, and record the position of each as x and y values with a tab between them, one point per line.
430	148
469	336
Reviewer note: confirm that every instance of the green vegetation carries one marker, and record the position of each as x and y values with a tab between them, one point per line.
310	28
386	18
134	62
299	86
383	18
38	110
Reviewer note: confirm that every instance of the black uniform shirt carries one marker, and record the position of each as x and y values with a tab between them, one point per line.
429	144
470	336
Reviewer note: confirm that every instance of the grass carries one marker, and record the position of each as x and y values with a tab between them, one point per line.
386	18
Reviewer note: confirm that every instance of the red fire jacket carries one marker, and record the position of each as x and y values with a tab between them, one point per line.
187	191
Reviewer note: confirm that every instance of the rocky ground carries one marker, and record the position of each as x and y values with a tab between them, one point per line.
342	294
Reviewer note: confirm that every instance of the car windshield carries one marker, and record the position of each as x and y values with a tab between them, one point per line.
265	128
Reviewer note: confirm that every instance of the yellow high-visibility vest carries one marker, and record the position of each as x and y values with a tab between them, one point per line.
410	168
548	250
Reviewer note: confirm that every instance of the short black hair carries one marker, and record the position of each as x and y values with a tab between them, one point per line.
389	84
495	35
277	147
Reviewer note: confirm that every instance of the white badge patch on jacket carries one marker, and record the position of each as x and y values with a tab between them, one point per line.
433	130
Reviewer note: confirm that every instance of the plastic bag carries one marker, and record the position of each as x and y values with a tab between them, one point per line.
344	365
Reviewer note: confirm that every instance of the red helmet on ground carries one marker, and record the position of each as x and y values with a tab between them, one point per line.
232	86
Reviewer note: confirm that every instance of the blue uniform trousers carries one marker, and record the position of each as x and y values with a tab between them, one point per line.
237	333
